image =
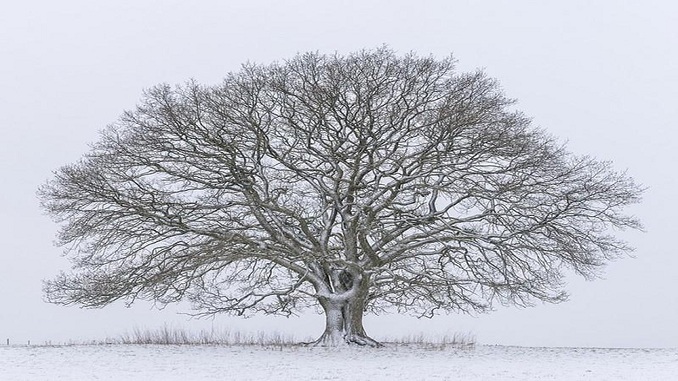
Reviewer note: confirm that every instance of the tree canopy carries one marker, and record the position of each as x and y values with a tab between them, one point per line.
367	182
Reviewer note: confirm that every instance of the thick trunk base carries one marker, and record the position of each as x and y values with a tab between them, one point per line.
344	326
341	339
344	315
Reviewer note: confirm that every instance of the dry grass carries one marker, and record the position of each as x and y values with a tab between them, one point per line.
176	336
168	335
457	340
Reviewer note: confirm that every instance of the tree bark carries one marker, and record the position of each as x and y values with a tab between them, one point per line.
344	320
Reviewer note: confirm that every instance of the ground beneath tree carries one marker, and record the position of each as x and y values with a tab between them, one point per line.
181	363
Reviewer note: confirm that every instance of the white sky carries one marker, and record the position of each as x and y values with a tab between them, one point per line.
600	74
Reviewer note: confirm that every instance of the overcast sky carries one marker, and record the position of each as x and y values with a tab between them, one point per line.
602	75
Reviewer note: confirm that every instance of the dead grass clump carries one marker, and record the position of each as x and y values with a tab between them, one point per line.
457	340
178	336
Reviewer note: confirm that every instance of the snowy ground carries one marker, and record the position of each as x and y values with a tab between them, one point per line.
189	363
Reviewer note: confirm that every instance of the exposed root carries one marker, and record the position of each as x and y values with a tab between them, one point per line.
363	341
345	340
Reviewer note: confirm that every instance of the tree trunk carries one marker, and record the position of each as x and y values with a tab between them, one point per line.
344	321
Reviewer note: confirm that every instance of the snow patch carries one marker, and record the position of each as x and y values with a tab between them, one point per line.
397	362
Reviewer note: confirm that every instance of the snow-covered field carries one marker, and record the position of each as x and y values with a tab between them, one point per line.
192	363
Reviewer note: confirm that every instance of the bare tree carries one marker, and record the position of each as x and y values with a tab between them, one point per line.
363	183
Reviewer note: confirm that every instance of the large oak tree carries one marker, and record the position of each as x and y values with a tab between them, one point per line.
362	183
